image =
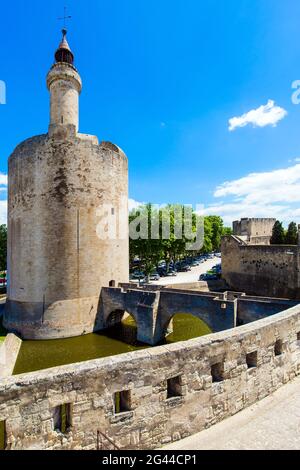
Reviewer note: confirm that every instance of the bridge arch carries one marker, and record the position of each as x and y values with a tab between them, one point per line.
201	314
154	310
184	325
116	316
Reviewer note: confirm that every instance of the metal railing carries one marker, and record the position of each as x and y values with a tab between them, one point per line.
105	443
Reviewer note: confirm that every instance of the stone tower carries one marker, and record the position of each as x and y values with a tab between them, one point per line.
63	186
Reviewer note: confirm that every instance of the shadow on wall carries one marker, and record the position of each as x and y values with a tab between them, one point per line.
181	327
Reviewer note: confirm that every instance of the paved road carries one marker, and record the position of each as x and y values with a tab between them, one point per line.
271	424
191	276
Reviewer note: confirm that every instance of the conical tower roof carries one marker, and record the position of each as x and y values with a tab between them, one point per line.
64	53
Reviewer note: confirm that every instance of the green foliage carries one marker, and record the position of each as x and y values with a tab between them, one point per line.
227	231
278	234
3	247
291	237
149	251
207	246
217	231
169	246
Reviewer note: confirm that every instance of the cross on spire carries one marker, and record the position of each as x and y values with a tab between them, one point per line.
65	17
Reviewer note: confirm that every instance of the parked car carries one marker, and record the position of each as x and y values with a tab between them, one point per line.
162	272
137	275
218	267
162	264
171	273
209	277
184	268
154	277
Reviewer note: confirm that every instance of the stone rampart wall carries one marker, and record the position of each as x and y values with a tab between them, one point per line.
261	270
213	377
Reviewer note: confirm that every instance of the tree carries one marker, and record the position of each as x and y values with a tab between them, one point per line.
227	231
291	237
278	235
172	236
147	249
217	231
168	240
207	245
3	247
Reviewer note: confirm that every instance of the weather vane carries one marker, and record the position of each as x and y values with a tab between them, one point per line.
65	17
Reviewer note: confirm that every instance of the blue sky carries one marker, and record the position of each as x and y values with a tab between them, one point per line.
162	79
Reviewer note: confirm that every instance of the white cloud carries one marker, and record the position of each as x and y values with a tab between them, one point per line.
133	204
265	115
266	194
3	179
3	203
3	212
275	186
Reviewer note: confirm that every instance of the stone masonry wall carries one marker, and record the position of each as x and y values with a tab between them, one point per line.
9	351
59	187
261	270
256	230
247	363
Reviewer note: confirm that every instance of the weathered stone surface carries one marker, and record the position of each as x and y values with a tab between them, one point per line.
255	231
154	311
270	424
9	351
27	401
261	270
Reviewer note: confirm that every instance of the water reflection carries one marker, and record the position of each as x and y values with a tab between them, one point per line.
122	338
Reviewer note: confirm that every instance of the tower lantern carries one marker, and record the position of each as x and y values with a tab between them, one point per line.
64	84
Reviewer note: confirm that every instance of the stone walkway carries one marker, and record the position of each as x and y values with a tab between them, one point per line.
273	423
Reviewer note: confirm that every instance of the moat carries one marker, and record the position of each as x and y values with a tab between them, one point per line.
38	355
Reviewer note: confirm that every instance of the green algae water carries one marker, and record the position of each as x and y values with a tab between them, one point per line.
38	355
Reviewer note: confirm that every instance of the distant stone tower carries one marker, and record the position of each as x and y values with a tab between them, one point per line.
60	184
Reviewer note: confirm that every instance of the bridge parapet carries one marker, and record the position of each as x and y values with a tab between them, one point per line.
154	310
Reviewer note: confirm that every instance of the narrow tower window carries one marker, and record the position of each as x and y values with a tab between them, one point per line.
62	418
251	360
174	387
122	401
278	348
217	372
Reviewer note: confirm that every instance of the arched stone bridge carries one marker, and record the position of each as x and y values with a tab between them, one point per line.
154	310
